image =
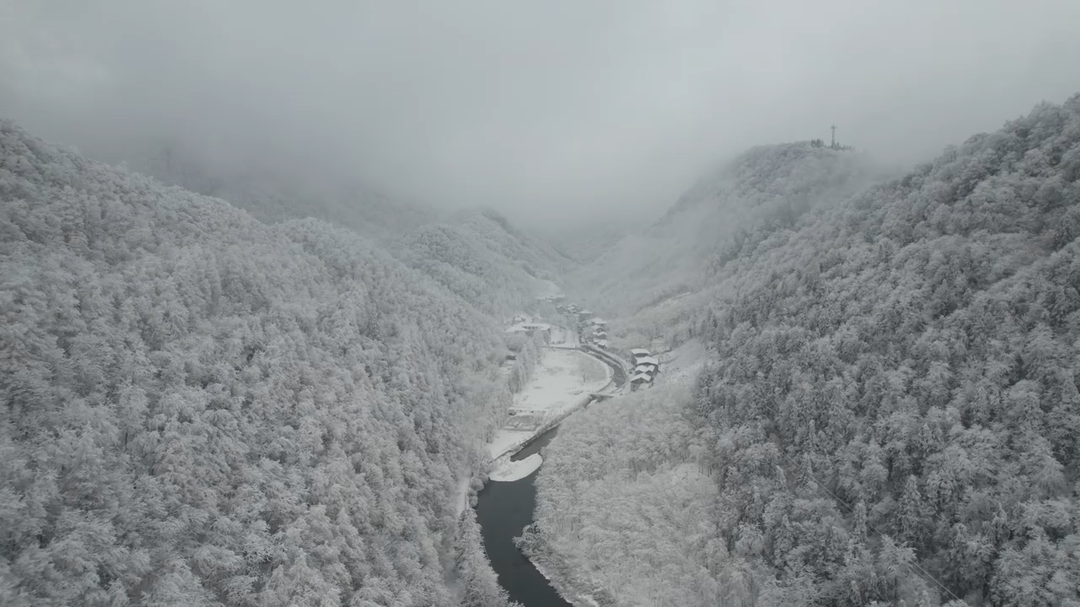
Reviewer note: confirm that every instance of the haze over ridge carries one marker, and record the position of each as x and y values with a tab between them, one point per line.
584	107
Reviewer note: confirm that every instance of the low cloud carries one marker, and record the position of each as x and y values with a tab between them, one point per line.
549	111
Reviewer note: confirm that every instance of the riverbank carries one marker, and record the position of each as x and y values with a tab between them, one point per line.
503	510
569	586
639	489
562	383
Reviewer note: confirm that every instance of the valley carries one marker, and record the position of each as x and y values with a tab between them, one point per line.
811	381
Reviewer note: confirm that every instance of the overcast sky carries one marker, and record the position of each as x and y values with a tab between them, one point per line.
547	110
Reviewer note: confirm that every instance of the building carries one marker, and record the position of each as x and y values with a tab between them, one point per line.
531	328
646	360
639	380
649	370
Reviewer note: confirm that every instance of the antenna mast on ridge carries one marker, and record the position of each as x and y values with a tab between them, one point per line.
833	145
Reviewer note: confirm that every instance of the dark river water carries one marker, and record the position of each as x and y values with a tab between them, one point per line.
503	510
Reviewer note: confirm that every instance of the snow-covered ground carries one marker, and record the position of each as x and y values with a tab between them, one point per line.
462	494
683	363
545	288
578	600
561	382
508	441
562	337
509	471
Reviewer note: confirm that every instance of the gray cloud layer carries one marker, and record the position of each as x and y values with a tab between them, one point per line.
542	109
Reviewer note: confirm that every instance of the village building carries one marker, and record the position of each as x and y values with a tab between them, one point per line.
531	328
646	360
639	380
645	369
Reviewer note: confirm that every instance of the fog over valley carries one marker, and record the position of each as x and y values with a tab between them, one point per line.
583	304
538	111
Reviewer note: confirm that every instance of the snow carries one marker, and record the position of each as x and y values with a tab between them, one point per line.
577	600
506	441
563	338
462	494
546	289
647	360
509	471
639	352
684	363
525	327
562	381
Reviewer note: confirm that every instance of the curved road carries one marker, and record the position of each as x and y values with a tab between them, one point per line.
610	360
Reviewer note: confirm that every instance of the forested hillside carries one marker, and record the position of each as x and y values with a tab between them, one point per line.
656	282
890	410
766	185
894	407
280	194
485	260
202	409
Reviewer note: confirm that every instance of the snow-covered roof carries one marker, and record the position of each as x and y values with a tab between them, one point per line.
598	321
586	312
647	360
640	377
603	343
644	369
639	352
525	327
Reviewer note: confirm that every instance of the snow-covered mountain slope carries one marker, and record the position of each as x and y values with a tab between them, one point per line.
890	412
767	185
485	260
663	274
278	194
585	242
203	409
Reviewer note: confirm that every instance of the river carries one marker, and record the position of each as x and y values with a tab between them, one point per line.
503	510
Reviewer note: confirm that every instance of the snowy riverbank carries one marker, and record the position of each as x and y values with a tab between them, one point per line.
509	471
562	382
639	489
